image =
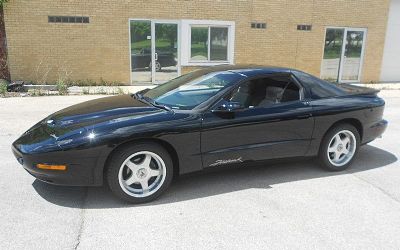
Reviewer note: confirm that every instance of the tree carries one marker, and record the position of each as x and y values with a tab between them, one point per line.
4	71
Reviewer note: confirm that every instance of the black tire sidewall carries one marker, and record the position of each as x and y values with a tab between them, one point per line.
121	155
157	63
322	156
159	66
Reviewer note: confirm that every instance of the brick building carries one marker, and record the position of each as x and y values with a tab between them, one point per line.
136	41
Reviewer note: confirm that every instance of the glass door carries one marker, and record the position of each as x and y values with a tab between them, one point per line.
332	54
352	55
165	52
140	32
343	54
154	51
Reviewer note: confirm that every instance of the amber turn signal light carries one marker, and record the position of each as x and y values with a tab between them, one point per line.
52	167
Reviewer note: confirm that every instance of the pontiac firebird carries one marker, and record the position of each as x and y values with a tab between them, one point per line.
219	116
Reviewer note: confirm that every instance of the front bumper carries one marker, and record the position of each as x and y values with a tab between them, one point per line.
80	168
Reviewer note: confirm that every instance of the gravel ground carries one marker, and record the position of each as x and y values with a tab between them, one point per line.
281	206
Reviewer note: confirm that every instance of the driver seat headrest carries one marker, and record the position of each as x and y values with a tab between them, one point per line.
272	92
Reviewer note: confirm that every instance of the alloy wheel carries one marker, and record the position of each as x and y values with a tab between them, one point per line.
142	174
157	66
341	148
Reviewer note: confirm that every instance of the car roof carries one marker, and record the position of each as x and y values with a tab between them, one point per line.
319	88
249	70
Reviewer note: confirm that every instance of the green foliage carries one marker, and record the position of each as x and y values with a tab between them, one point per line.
62	87
2	2
101	91
166	35
140	31
3	88
89	82
120	91
36	92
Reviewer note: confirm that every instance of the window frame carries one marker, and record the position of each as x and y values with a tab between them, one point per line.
209	27
186	39
235	87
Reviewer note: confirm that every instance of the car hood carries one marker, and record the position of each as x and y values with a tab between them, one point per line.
100	110
70	126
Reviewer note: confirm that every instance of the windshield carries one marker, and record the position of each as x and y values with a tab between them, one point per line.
188	91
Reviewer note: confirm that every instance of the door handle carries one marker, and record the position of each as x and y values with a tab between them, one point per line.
303	116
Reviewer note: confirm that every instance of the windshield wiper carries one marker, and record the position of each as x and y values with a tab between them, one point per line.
150	101
163	106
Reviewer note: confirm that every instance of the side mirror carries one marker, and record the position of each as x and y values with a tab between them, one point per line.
228	107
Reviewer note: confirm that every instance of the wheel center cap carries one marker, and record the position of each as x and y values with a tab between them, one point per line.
141	173
340	147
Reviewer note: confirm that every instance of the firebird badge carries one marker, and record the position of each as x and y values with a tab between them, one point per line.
228	161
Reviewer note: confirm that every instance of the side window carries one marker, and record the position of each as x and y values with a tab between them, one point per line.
266	91
319	88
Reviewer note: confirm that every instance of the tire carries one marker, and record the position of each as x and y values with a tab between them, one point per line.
157	66
131	167
337	153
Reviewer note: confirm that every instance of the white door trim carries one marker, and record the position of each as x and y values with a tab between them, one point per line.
364	30
153	45
346	29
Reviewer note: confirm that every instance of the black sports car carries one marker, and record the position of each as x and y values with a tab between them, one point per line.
220	116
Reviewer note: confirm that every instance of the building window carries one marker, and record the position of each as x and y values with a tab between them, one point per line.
304	27
199	44
255	25
208	43
68	19
218	44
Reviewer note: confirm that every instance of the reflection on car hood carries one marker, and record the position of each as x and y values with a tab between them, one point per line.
70	126
99	110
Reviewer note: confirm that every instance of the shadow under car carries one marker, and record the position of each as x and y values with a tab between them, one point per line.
206	184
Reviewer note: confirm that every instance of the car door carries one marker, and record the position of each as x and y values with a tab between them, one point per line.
273	131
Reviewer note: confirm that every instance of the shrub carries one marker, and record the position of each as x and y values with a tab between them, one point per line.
86	91
62	87
3	87
101	91
86	82
89	82
120	91
36	92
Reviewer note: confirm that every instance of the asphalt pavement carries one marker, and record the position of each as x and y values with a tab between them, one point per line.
279	206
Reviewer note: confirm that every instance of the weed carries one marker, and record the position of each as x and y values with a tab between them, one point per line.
3	87
62	87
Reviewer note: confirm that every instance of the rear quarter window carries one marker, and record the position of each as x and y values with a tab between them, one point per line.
318	87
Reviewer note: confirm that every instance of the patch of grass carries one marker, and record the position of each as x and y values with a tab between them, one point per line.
89	82
3	87
37	92
160	45
334	52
